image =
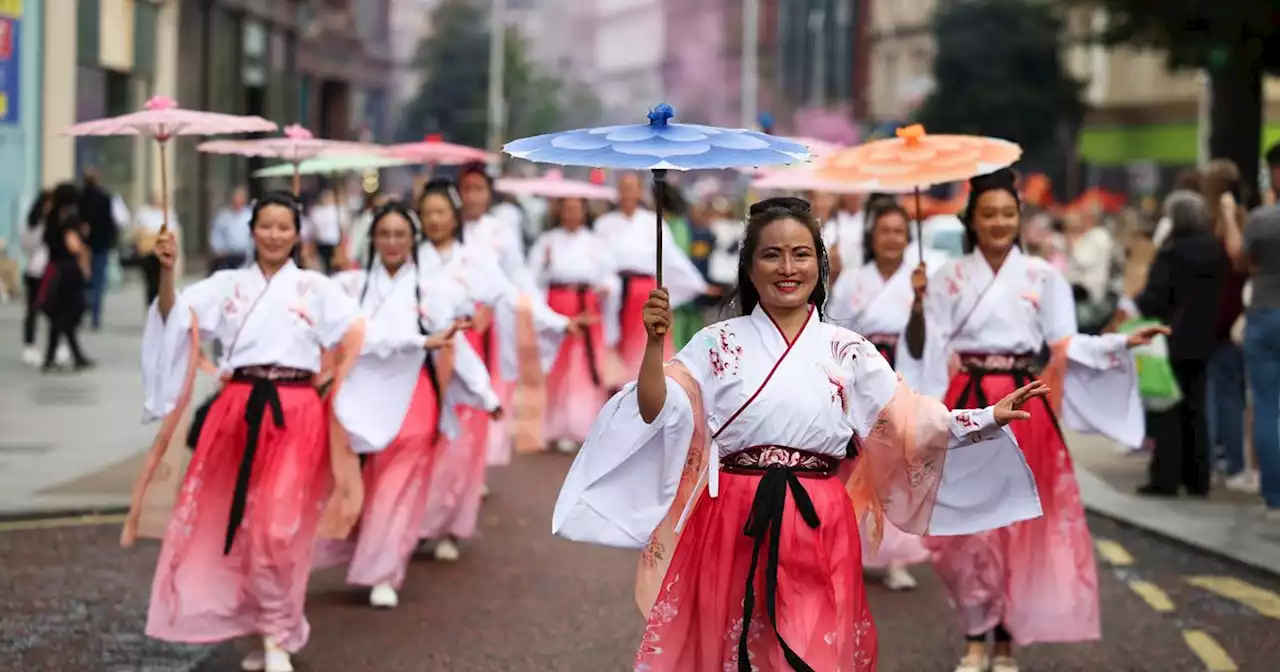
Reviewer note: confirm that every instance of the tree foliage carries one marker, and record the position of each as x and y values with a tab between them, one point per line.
998	71
1236	41
453	98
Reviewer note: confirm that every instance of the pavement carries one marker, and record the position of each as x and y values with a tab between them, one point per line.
1188	585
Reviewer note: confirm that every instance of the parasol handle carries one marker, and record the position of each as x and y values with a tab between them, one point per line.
659	197
297	179
164	190
919	227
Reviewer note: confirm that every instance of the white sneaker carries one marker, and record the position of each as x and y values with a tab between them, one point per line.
974	663
898	578
256	661
63	356
447	550
484	491
1004	664
31	355
1247	481
383	596
566	446
277	658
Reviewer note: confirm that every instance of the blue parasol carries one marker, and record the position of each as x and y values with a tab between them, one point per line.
659	146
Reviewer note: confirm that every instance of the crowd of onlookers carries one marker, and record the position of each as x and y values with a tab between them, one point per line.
1209	268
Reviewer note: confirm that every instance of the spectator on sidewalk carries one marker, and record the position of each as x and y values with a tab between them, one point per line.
1223	192
62	292
1183	290
148	221
98	214
1262	338
231	237
37	256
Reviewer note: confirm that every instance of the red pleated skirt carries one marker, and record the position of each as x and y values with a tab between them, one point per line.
574	395
821	602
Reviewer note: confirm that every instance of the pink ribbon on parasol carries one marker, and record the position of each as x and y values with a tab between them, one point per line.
554	185
296	145
162	119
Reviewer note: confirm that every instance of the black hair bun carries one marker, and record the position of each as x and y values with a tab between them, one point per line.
438	184
788	203
1004	178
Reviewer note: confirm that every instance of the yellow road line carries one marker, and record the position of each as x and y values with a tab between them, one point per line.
1209	651
52	523
1113	553
1153	596
1260	600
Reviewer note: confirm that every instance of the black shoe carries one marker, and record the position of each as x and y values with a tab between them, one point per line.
1150	490
84	364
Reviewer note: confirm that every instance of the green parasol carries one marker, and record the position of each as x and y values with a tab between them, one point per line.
351	163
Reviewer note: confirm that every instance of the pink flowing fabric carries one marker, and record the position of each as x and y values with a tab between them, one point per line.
632	337
396	481
575	398
200	595
691	585
457	480
1036	577
897	548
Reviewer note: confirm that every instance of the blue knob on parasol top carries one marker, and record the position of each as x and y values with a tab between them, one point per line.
660	115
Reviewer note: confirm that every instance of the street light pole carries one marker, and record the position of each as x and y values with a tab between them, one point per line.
497	74
750	85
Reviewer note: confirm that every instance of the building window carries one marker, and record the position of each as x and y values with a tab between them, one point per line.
145	22
88	41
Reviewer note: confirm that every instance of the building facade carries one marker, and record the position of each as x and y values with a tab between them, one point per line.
630	51
899	58
21	107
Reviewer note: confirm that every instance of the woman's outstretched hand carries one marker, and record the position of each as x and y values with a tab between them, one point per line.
1143	336
656	314
1009	409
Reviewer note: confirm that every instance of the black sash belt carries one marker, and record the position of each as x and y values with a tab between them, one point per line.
782	469
1023	368
263	395
589	343
626	277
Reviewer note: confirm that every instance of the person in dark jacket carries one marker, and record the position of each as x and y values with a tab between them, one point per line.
1183	290
62	294
97	214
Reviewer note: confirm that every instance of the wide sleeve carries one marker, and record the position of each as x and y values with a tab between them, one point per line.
166	348
1094	378
930	471
335	311
630	476
931	372
539	256
468	384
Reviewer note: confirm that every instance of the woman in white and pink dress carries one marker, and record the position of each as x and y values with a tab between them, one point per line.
874	300
457	485
392	401
238	548
632	236
751	425
574	265
981	327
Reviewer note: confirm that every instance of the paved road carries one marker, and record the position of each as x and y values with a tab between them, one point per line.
522	600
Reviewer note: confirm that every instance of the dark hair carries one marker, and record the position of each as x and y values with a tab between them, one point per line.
762	214
874	202
873	218
63	213
37	210
284	199
475	168
1004	179
553	214
1273	156
415	230
443	186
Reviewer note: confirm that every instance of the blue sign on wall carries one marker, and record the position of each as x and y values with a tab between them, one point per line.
10	67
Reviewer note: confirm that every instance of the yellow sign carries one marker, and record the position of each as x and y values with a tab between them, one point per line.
4	105
11	8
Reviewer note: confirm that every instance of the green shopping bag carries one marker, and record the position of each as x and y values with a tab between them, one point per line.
1156	383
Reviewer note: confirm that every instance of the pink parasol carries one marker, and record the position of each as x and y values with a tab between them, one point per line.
805	179
433	150
163	119
817	150
554	185
297	145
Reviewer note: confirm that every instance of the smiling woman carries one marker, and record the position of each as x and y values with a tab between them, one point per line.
754	422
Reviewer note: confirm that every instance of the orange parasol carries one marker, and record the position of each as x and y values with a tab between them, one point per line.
915	160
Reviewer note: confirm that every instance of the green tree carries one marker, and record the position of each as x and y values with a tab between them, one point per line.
454	96
998	71
1237	41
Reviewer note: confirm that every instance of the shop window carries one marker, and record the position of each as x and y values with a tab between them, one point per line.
145	22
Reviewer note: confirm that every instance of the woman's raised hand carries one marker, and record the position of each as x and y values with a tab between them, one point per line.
656	314
166	249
